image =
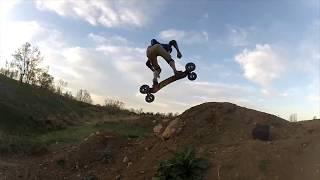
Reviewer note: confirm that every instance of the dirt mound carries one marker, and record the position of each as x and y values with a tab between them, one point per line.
226	122
223	132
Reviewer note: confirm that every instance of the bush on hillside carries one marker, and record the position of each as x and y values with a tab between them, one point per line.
184	165
10	144
113	106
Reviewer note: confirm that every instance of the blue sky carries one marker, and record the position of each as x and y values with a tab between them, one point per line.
258	54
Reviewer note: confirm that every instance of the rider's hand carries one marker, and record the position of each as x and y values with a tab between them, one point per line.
179	55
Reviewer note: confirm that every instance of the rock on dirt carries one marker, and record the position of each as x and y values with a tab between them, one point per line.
129	164
174	128
125	159
118	177
157	129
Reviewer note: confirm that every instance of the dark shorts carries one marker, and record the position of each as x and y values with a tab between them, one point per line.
157	50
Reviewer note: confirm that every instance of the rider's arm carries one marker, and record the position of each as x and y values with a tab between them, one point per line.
148	63
175	45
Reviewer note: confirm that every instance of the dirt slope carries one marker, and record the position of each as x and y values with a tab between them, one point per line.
219	131
27	109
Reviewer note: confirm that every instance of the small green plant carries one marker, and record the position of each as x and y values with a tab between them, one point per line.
90	177
106	156
263	165
123	129
20	144
183	166
61	162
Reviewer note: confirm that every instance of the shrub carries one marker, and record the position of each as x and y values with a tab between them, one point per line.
183	166
11	144
107	156
113	106
263	165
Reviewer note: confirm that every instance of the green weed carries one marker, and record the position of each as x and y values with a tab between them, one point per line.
183	166
263	165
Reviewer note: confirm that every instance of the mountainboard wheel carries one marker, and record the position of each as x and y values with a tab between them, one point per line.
144	89
150	98
192	76
190	67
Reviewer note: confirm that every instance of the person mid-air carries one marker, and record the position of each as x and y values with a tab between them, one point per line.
158	49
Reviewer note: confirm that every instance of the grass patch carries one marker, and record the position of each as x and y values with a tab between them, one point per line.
79	133
124	129
20	144
263	165
61	162
67	135
75	134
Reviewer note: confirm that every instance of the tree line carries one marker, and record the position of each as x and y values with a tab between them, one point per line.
25	68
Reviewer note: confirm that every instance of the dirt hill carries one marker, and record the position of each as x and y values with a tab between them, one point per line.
220	132
25	108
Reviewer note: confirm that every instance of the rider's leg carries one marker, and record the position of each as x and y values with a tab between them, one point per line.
163	53
173	66
156	74
152	56
157	69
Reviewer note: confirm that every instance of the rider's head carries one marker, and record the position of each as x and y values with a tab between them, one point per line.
153	42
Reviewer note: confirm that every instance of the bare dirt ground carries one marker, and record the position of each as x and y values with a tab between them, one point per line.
221	132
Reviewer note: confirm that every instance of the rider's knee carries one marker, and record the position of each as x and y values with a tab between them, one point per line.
170	61
148	64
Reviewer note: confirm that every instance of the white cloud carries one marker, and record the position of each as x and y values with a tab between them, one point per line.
237	36
108	39
272	93
14	34
112	13
262	65
130	61
5	8
187	37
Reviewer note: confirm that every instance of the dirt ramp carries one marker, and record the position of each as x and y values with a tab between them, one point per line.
227	122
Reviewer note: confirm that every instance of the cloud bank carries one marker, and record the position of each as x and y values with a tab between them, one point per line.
113	13
187	37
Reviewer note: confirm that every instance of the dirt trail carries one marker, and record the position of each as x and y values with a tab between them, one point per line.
219	131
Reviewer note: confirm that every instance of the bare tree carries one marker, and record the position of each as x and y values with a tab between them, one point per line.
68	94
6	70
9	70
26	60
84	96
293	117
61	84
